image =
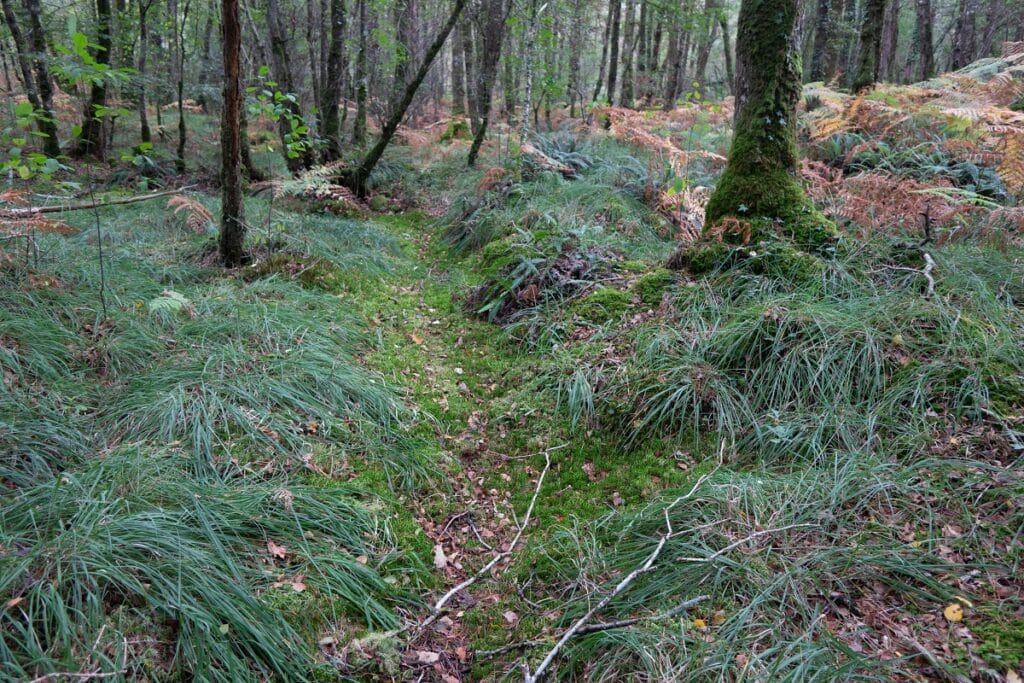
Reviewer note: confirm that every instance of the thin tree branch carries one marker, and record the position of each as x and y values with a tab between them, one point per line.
27	211
715	555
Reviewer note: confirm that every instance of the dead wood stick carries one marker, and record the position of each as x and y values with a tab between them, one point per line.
647	566
718	553
438	609
601	626
28	211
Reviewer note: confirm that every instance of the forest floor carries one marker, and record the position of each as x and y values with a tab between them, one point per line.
805	469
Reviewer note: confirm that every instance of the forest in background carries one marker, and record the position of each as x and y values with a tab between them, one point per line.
453	340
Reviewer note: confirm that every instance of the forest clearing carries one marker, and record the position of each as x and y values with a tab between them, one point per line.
365	342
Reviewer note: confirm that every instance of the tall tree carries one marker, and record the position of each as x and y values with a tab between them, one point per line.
822	40
232	219
282	70
333	85
629	41
615	7
45	121
490	17
870	45
761	182
93	141
459	69
887	62
362	75
357	179
43	80
965	35
145	135
923	44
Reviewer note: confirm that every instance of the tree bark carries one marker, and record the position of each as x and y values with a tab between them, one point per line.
870	45
730	73
630	39
890	41
145	135
332	85
459	70
232	221
604	55
37	41
361	77
708	36
760	183
993	22
615	8
282	70
357	181
922	50
822	40
965	35
491	15
93	141
44	118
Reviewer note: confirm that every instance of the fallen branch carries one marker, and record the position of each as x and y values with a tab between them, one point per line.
715	555
647	566
602	626
28	211
438	609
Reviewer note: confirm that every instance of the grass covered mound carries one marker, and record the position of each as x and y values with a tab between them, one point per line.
858	417
196	463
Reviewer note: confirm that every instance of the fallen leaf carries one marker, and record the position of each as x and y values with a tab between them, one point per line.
415	338
700	624
954	612
616	499
1012	676
425	657
718	618
298	583
275	550
588	467
511	617
14	602
362	559
440	560
224	628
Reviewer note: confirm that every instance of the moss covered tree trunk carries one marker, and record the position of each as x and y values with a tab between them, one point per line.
760	182
869	60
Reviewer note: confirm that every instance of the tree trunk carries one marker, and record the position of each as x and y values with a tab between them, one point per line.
179	62
965	35
332	85
708	36
282	70
870	45
604	55
357	181
531	43
673	66
406	14
459	70
890	41
822	40
93	141
361	77
206	73
730	73
232	220
44	119
993	22
615	7
144	133
760	183
492	16
630	39
923	45
37	41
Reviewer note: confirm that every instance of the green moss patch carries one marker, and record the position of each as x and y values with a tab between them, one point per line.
309	272
603	305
